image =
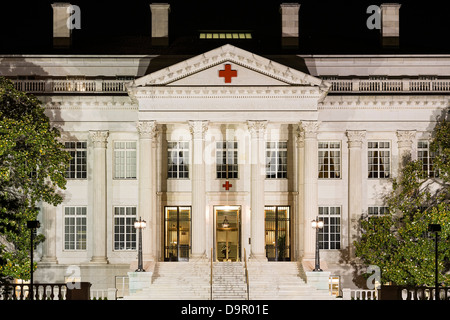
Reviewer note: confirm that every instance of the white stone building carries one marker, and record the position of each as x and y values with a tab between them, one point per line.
225	136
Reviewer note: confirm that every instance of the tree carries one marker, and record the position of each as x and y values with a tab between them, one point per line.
398	242
32	171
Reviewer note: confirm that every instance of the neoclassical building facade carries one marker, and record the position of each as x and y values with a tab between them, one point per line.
225	154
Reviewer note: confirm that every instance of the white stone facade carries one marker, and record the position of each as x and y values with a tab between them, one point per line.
190	101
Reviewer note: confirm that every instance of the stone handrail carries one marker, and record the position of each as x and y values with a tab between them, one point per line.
71	86
389	85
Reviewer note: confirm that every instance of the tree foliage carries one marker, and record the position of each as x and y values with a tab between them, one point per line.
399	242
32	171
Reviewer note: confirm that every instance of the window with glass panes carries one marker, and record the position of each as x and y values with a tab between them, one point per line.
125	159
227	159
178	159
329	160
276	159
377	211
379	156
427	157
330	234
124	231
75	226
77	168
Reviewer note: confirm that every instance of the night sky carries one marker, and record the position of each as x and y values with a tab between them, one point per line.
325	27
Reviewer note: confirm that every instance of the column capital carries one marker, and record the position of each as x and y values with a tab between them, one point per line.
198	128
310	128
405	138
257	128
355	138
147	129
99	138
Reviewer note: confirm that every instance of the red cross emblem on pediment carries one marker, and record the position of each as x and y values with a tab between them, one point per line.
228	73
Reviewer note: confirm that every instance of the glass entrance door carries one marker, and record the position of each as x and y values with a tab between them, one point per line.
278	238
177	235
228	233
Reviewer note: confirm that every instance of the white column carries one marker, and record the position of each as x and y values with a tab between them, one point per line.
301	190
355	141
147	132
99	141
198	130
310	208
49	223
405	140
258	172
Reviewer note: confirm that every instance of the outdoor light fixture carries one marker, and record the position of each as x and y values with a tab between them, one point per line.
225	223
317	224
435	228
140	224
33	225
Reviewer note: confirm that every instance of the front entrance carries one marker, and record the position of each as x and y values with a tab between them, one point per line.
227	233
177	235
278	236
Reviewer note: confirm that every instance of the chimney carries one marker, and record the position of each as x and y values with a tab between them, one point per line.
289	24
390	24
160	23
62	37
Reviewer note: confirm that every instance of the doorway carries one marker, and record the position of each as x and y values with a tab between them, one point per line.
227	233
278	235
177	235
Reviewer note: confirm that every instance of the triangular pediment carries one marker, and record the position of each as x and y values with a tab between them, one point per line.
229	66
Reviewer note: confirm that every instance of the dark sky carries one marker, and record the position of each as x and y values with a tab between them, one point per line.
334	26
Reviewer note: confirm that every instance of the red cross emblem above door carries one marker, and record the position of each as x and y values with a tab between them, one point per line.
227	185
227	74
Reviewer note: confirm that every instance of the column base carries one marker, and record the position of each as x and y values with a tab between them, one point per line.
48	260
258	257
198	257
99	260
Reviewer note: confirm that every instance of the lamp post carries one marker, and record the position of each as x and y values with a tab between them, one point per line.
435	228
140	224
317	224
33	225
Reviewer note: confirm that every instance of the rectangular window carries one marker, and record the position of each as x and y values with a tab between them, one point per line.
125	159
377	211
124	231
427	157
77	168
75	228
276	160
178	159
329	160
227	159
379	156
330	234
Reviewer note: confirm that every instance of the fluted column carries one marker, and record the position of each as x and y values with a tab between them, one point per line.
147	132
257	130
405	141
310	169
198	130
99	142
301	190
355	141
49	223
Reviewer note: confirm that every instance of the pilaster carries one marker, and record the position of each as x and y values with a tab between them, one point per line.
147	132
355	142
257	157
99	143
198	130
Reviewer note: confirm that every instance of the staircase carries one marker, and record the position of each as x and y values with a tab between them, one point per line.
229	281
281	281
191	281
177	281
